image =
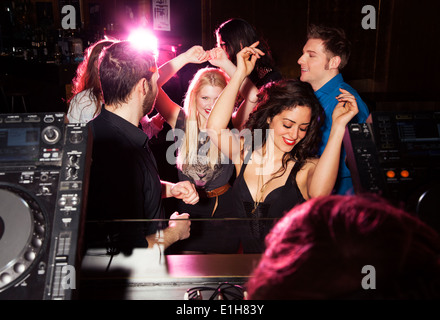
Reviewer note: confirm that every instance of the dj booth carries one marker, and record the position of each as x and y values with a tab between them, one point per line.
44	170
44	166
397	155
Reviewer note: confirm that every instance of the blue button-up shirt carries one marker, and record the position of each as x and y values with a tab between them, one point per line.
327	96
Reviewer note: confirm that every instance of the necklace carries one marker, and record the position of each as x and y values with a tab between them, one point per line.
264	185
259	190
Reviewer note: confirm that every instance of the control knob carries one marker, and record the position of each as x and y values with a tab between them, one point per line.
51	135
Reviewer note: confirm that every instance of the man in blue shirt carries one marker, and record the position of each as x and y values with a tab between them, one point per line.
324	55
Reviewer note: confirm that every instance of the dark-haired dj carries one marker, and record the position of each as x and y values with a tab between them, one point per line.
124	181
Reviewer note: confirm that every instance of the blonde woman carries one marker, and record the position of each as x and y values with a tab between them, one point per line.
199	161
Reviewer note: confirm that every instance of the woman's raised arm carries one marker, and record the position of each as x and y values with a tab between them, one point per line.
222	111
168	109
219	58
322	179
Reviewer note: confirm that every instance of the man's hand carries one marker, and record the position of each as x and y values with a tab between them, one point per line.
179	225
186	191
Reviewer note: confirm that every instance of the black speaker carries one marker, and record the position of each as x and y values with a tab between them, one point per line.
44	169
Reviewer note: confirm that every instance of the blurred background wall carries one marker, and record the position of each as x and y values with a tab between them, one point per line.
394	66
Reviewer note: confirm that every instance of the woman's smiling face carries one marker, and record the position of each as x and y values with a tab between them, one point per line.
289	127
206	98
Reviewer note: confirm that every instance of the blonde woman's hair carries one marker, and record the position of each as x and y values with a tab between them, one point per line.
188	152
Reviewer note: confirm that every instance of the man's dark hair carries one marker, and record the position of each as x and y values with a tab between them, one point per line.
335	42
120	69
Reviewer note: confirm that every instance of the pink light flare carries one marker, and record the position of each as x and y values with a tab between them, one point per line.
143	39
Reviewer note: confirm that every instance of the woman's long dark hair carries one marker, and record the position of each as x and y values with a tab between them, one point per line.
238	33
276	97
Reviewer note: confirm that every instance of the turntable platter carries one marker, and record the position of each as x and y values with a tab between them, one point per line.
44	176
22	233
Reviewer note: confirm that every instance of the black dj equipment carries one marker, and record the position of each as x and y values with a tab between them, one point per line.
44	166
397	155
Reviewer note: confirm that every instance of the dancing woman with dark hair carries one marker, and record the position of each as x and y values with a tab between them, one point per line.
235	34
282	170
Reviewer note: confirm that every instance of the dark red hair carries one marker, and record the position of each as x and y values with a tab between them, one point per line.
318	251
87	76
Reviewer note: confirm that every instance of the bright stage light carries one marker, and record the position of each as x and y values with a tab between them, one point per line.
143	39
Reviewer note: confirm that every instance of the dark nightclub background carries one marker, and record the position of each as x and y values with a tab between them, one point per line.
393	66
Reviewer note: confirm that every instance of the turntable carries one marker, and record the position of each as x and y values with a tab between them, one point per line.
44	166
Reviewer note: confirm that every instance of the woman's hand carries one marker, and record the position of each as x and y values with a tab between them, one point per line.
346	109
196	54
247	58
218	57
322	178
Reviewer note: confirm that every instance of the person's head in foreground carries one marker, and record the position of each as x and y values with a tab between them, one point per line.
348	247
